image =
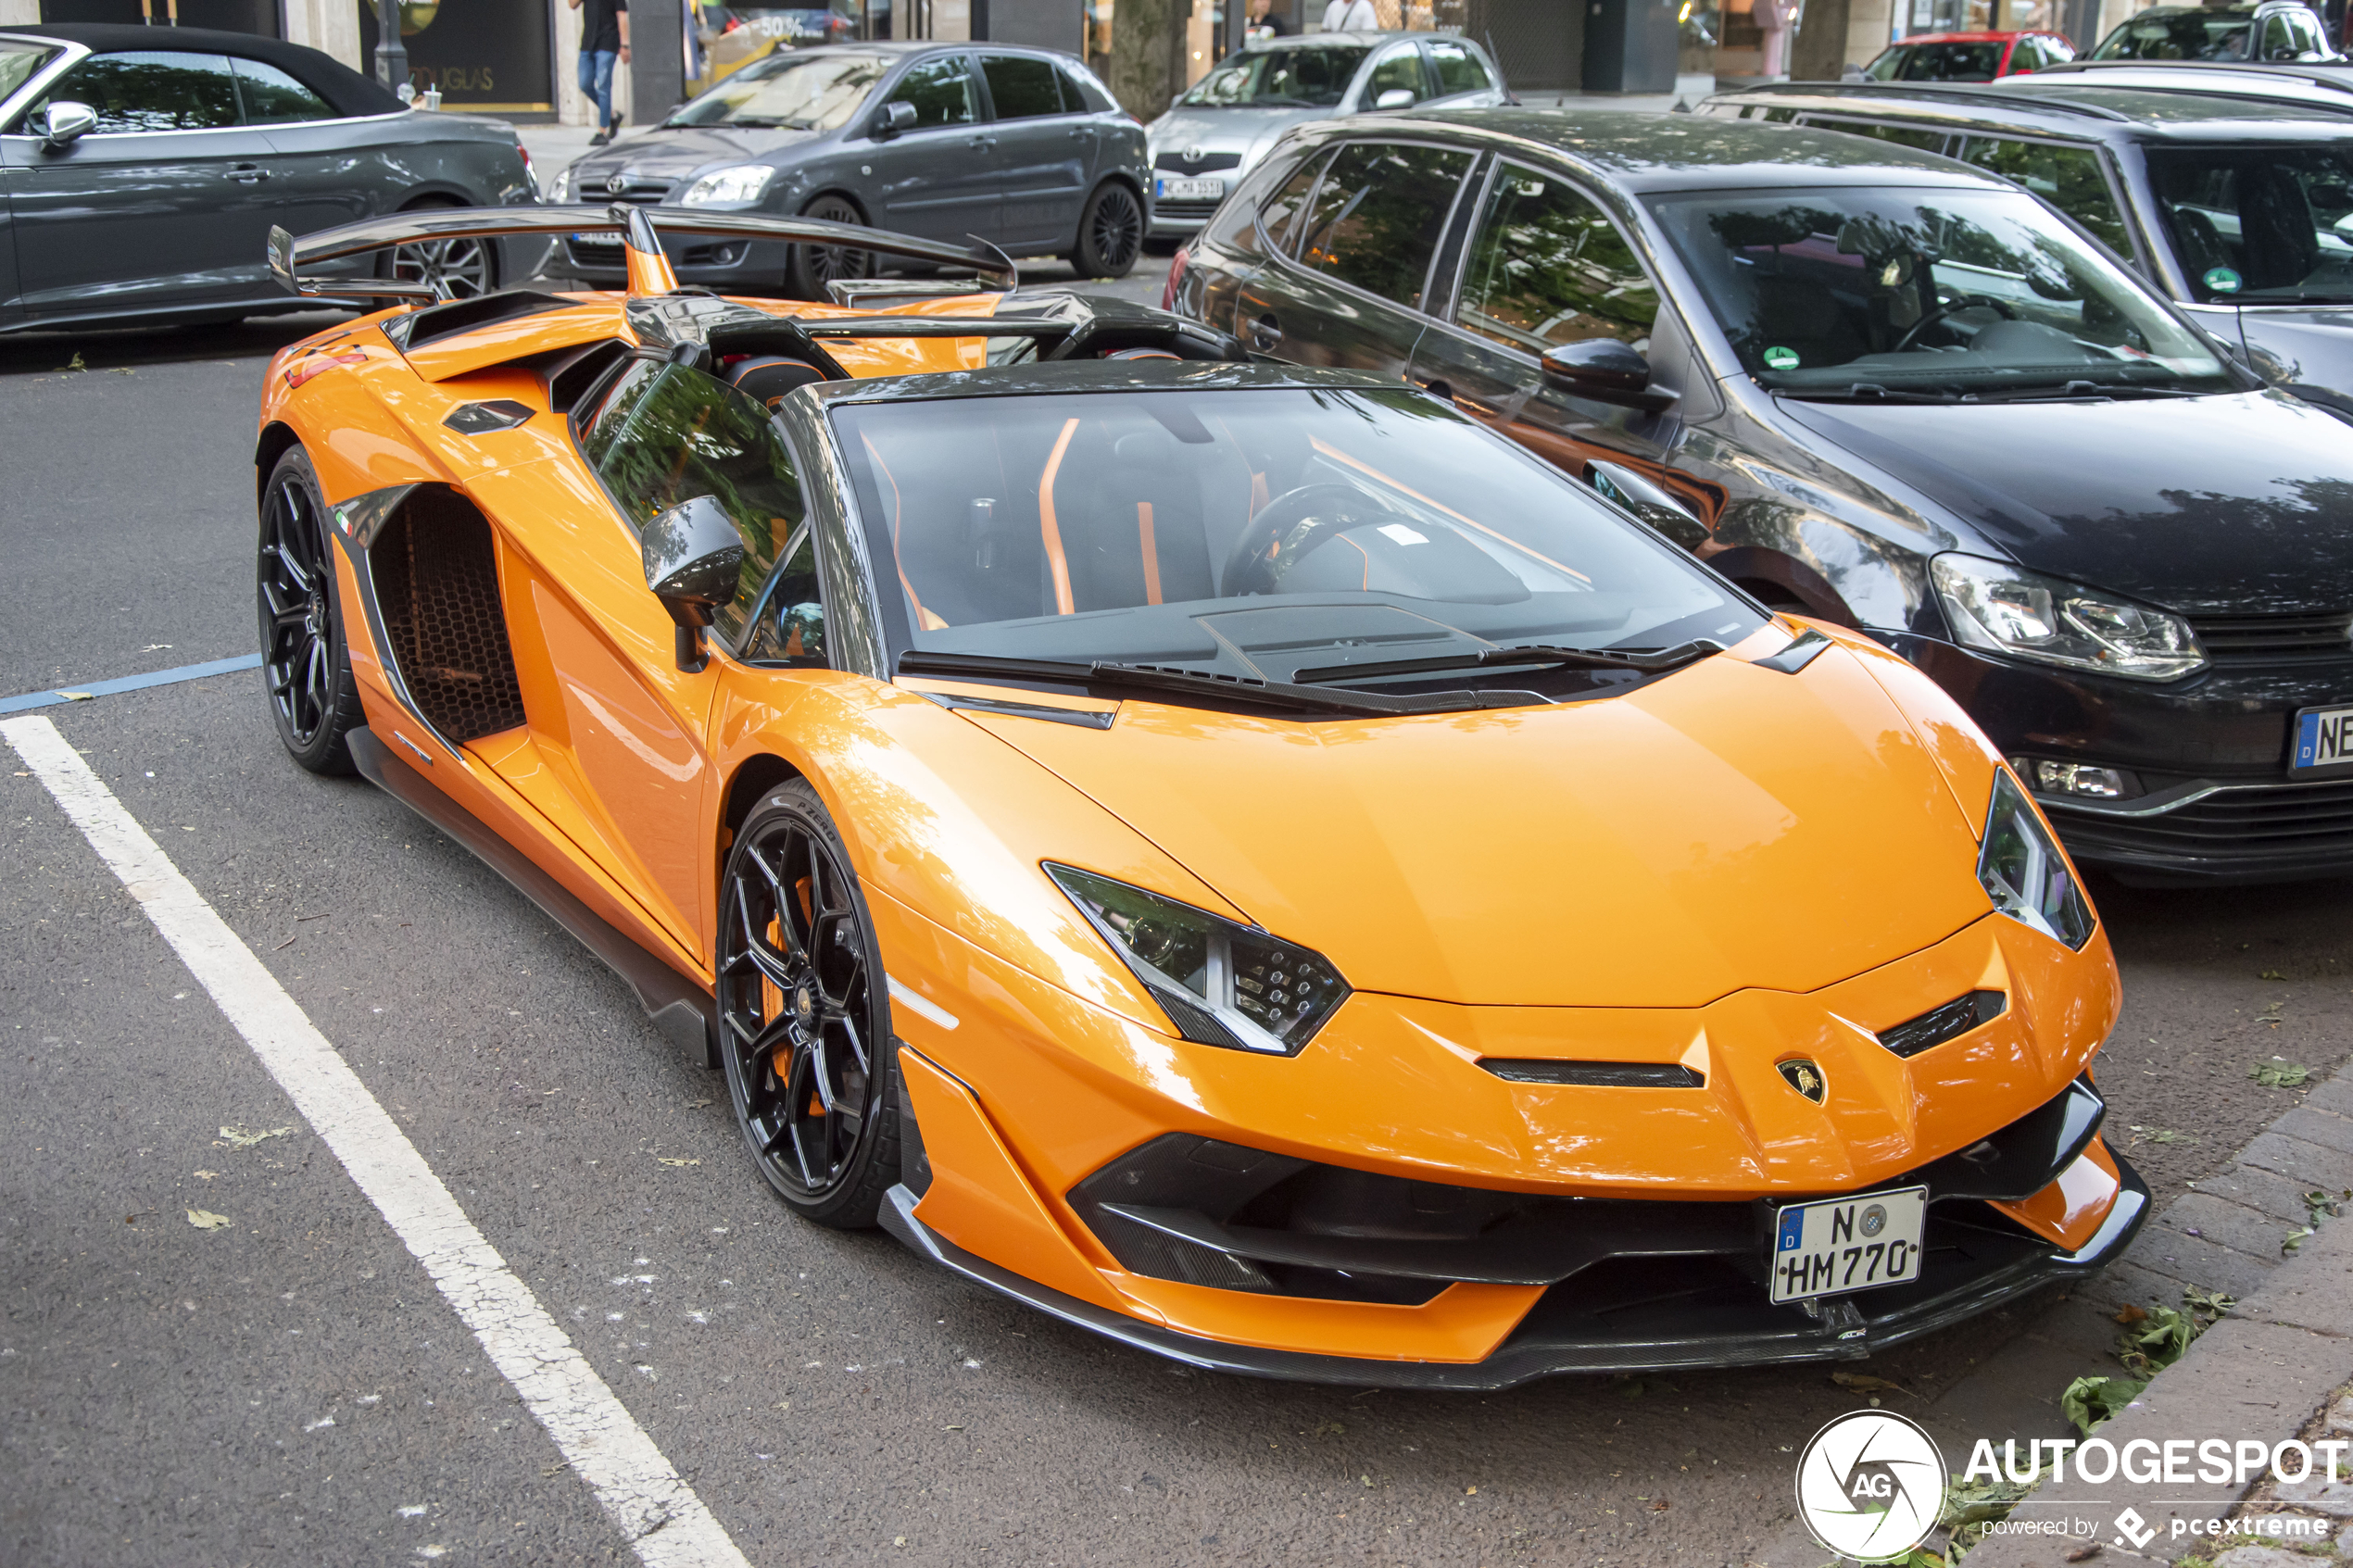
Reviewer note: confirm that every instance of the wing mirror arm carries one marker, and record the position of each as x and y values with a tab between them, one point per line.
694	560
1603	369
64	122
1648	500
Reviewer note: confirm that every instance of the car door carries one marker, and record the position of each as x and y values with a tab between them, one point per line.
1348	284
937	178
1041	153
1544	267
1397	69
163	202
322	168
627	738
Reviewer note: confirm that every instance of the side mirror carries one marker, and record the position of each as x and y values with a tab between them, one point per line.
895	116
694	558
1649	501
1603	369
64	122
1395	98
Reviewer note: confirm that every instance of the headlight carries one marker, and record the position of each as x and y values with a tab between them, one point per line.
562	193
1219	983
2031	616
744	182
2023	871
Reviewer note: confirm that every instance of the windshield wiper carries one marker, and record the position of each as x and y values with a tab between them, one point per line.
2081	390
1201	682
1864	392
1524	654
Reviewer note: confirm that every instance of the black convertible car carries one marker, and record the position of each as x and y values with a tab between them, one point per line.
1884	388
144	167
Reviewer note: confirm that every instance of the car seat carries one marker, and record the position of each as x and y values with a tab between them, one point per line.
766	378
1805	315
2277	245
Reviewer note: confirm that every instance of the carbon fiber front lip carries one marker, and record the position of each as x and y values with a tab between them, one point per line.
1518	1361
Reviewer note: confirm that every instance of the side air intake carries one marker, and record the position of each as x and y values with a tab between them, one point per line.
437	582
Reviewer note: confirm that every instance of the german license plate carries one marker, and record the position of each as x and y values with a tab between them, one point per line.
1844	1244
2324	740
1188	190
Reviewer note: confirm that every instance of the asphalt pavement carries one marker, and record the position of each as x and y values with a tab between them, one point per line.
291	1385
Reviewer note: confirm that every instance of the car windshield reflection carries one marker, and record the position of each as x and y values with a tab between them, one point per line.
809	92
1829	291
1250	533
1316	77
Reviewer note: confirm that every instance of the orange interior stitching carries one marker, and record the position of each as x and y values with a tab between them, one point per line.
1049	529
1150	551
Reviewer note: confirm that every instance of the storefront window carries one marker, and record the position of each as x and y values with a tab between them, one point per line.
727	38
483	55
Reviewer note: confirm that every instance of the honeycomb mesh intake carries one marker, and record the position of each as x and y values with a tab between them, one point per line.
438	589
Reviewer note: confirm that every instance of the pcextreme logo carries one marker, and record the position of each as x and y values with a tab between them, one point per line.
1870	1486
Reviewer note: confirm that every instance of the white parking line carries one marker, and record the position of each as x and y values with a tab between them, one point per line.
665	1521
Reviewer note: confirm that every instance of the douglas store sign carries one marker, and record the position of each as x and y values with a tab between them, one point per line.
482	54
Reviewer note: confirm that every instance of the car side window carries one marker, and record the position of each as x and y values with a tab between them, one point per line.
272	97
1081	94
149	90
1900	135
1247	205
2025	55
1547	267
941	90
1378	214
1398	68
1458	69
2055	50
2069	178
790	627
1021	87
1279	216
666	433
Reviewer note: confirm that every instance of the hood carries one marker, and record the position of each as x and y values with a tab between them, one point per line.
2237	505
1244	131
1724	827
673	154
2302	347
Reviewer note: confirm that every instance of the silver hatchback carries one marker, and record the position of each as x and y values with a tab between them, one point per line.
1216	131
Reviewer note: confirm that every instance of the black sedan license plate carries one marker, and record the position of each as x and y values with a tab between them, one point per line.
1842	1244
2324	741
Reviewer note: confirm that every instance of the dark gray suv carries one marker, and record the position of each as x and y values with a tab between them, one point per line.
1021	147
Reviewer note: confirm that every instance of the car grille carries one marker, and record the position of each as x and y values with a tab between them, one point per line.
1182	212
2250	827
1210	162
2275	639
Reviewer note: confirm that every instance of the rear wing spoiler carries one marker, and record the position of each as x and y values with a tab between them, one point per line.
640	229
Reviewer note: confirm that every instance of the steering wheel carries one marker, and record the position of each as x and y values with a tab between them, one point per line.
1965	302
1290	526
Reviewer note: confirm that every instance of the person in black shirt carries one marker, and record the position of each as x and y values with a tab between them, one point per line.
1265	23
604	38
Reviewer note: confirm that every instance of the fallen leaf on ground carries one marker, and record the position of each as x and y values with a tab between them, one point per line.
2085	1553
2129	1315
237	1138
1864	1382
2280	1074
206	1175
2272	975
206	1220
667	1160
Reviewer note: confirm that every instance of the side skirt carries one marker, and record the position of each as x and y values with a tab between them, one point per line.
679	1006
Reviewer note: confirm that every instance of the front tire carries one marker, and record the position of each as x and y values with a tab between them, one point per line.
306	663
1110	233
810	268
804	1015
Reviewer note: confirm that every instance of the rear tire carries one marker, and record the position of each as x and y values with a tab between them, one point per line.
306	664
808	269
462	268
1110	233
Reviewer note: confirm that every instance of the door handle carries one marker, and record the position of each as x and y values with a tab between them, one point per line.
984	141
247	173
1265	334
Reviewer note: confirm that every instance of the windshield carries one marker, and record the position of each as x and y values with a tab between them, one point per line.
18	62
2180	35
1938	62
1935	292
1291	79
789	92
1248	533
2260	225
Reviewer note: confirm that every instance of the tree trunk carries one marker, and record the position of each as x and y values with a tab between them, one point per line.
1143	54
1818	52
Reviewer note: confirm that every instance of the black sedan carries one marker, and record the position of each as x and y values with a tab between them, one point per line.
144	168
1020	147
1883	388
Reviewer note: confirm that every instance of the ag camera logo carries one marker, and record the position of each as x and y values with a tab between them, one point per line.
1870	1486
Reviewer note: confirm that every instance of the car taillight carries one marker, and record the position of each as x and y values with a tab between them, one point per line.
529	173
1176	276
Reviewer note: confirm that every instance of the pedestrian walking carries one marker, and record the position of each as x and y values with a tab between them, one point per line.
1264	22
1341	16
604	40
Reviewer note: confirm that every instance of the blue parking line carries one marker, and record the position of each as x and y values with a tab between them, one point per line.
129	684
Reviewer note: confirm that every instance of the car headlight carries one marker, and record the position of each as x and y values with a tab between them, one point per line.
743	183
562	193
2030	616
1220	984
2023	871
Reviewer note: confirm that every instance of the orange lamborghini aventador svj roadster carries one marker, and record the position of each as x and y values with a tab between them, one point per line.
1241	859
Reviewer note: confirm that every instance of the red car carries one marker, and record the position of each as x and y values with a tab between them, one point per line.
1968	56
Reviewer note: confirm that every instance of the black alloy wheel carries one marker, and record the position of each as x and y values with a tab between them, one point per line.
804	1015
313	699
810	267
1110	233
458	268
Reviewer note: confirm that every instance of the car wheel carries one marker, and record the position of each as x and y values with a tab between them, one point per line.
460	268
1110	233
804	1015
305	664
810	267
